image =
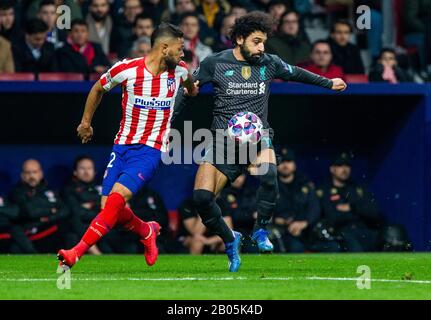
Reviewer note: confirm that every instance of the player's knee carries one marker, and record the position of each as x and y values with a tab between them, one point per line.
122	190
202	200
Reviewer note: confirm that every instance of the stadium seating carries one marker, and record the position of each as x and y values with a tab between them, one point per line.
59	76
19	76
356	78
94	77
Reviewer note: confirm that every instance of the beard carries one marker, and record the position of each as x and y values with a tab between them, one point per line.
285	175
250	58
170	62
98	17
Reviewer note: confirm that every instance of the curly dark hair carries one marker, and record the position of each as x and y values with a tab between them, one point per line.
251	22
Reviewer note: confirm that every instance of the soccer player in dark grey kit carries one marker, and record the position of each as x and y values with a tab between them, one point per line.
241	78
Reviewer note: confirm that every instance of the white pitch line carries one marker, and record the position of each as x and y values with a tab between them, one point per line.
373	280
216	279
122	279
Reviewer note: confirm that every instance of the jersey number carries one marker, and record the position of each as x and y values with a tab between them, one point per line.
110	164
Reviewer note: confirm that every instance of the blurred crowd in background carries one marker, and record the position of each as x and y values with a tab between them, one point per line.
338	215
322	36
319	35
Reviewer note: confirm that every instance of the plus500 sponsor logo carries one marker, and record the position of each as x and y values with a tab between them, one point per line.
158	104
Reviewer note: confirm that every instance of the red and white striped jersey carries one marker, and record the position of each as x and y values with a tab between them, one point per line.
147	101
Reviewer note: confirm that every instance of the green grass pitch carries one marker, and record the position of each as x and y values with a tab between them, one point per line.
307	276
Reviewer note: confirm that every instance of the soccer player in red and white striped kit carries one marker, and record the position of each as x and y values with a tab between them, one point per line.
149	87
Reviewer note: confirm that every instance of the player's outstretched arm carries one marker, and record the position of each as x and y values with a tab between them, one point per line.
288	72
84	130
307	77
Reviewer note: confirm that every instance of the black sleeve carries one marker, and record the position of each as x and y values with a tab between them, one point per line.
205	72
331	214
62	211
366	207
9	211
27	207
100	58
75	206
288	72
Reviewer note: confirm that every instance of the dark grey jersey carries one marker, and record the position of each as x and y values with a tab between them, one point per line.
240	86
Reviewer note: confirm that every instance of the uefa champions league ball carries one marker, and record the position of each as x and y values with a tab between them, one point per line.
245	127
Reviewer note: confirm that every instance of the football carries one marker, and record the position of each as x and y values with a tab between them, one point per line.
245	127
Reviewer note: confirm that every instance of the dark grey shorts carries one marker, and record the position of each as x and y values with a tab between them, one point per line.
233	159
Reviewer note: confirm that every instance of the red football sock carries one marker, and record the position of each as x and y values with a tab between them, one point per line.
132	223
103	222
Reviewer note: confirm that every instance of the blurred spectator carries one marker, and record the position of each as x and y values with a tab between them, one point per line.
289	44
239	201
303	7
154	9
277	9
349	208
297	211
321	61
238	10
75	9
417	26
223	41
374	34
181	7
99	23
387	70
190	26
123	24
142	27
339	9
297	207
33	53
6	57
82	196
42	213
48	14
141	47
188	59
9	28
211	14
12	236
345	54
148	205
79	54
194	234
252	5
